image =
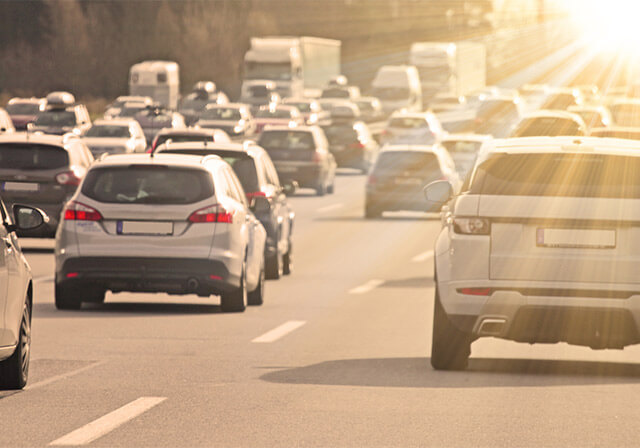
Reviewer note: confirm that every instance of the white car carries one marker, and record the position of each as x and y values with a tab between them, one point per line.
550	123
16	297
160	223
115	136
542	245
413	127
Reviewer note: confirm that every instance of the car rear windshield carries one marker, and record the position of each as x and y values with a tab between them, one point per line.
25	156
547	127
23	108
147	184
292	140
408	123
570	175
56	118
220	113
241	162
111	131
273	113
337	135
335	93
626	114
414	162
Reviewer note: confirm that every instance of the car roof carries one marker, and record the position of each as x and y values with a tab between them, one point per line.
399	147
174	160
544	113
576	145
467	137
248	147
32	100
38	138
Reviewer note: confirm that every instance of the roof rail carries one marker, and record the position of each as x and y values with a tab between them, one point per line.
210	157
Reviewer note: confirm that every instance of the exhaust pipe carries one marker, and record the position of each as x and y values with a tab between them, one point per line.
492	327
192	284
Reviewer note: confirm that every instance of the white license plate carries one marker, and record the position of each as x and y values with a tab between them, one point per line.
287	169
577	238
144	228
20	186
408	181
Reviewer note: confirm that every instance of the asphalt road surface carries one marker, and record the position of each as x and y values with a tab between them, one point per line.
336	356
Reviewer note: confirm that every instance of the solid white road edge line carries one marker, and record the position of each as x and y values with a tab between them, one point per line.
107	423
279	332
62	376
422	257
329	208
370	285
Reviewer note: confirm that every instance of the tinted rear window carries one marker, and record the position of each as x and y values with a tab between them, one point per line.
56	118
407	161
220	113
273	113
547	126
335	93
23	108
32	157
571	175
110	131
626	114
274	140
340	134
560	101
147	184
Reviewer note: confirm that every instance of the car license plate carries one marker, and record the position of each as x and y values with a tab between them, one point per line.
144	228
20	186
287	169
576	238
408	181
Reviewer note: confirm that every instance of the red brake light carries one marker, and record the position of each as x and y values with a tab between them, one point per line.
475	291
68	178
213	213
254	194
75	211
372	180
317	157
357	145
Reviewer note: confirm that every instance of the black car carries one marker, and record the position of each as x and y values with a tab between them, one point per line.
352	144
42	171
259	178
301	154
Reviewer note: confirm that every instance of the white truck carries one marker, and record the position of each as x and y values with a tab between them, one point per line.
454	68
159	80
299	66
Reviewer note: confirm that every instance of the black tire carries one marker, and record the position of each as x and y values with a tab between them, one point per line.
256	297
67	297
14	371
321	190
236	300
332	188
287	261
371	211
273	266
450	346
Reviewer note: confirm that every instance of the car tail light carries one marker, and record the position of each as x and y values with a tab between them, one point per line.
357	145
317	157
255	194
72	274
213	213
76	211
372	180
472	226
68	178
475	291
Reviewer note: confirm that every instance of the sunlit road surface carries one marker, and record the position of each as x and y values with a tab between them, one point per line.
321	363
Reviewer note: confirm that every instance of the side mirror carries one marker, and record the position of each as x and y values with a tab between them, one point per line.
260	204
290	188
437	194
28	218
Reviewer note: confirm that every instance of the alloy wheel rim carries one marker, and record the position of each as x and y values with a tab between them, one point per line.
25	338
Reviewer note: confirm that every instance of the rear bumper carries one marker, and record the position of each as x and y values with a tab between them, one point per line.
350	158
597	318
307	176
139	274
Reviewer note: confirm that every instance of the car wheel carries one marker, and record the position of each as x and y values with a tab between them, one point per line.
14	371
371	211
273	266
332	188
236	300
256	297
67	298
321	189
287	261
94	295
450	347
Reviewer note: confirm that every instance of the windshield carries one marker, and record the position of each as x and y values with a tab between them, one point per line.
277	71
274	113
222	113
111	131
547	126
391	93
570	175
23	108
32	157
56	118
147	184
294	140
410	162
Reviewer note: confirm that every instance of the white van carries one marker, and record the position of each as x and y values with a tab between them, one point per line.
159	80
398	87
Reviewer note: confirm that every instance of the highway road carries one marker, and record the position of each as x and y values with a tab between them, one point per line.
336	356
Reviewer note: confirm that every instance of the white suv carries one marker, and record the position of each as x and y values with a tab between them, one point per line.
160	223
541	246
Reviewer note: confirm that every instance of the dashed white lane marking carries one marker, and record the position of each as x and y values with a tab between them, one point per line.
279	332
46	279
422	257
62	376
330	208
107	423
370	285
